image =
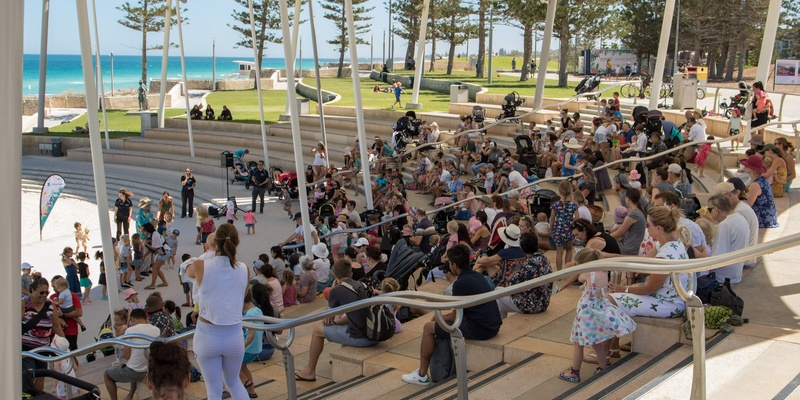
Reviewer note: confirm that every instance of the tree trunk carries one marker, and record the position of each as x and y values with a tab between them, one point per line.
723	58
740	73
481	40
712	66
563	58
341	62
144	42
451	53
527	51
731	62
433	54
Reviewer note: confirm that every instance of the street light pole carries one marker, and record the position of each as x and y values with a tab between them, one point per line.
391	39
112	73
469	26
677	33
491	37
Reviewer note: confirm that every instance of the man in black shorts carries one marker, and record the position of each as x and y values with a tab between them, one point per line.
481	322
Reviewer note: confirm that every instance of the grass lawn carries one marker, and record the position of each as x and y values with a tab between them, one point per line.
244	104
120	124
431	101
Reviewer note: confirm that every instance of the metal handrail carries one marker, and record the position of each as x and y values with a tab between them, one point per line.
440	303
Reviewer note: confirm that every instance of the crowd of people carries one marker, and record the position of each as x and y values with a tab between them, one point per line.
495	240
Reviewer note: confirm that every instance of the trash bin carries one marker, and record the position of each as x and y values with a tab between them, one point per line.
57	144
459	94
688	93
149	120
303	106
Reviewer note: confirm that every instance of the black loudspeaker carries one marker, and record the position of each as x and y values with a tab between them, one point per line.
226	159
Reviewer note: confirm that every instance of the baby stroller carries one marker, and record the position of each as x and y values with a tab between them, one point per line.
274	184
513	101
639	115
241	173
106	332
29	390
288	180
541	201
588	84
478	115
527	155
738	102
403	262
408	124
441	219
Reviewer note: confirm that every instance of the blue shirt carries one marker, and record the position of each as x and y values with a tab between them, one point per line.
238	154
397	91
629	137
255	346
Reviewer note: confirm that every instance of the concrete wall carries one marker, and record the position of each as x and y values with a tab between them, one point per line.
30	105
436	85
244	84
574	106
30	143
215	126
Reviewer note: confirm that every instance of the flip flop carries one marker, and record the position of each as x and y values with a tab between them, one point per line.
163	285
149	288
301	379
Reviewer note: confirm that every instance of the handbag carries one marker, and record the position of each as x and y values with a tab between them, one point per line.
724	295
442	365
36	318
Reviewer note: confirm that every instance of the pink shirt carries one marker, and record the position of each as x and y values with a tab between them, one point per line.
249	217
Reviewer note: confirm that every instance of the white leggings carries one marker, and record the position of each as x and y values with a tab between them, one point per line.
220	350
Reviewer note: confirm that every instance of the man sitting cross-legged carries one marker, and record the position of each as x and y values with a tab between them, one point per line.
346	329
481	322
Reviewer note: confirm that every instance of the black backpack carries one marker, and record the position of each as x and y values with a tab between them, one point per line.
723	295
442	365
380	320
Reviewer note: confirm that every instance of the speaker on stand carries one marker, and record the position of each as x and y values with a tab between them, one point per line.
226	161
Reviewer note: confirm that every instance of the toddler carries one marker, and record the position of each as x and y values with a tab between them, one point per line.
250	220
389	285
63	367
597	320
98	255
120	326
172	242
64	299
735	128
287	200
83	273
138	251
186	282
561	217
81	237
289	288
619	217
230	211
125	261
702	157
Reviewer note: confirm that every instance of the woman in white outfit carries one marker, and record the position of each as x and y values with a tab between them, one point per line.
319	161
218	340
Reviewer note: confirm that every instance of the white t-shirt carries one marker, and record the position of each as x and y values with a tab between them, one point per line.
445	177
584	213
323	268
490	214
733	234
697	132
749	215
157	240
641	143
355	216
137	361
515	176
542	228
66	299
601	134
698	237
488	181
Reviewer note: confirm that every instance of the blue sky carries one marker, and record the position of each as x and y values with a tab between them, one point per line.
208	21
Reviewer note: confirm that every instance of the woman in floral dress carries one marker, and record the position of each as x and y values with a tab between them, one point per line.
561	217
759	193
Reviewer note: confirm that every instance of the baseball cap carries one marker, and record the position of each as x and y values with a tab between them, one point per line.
724	188
258	264
26	266
176	232
675	169
361	242
738	184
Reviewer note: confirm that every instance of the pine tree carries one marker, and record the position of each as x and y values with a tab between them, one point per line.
525	14
267	20
146	16
335	12
454	27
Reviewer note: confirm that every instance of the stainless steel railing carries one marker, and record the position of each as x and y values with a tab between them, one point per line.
440	303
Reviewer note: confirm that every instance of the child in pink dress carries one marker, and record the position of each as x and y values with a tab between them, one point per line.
250	220
702	157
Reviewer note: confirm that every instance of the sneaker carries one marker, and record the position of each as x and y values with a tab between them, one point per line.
125	285
415	379
104	298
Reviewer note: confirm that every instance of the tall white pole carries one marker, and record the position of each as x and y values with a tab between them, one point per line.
112	73
164	63
320	100
258	84
362	136
768	41
371	51
40	128
11	32
185	79
213	64
663	43
677	34
100	76
298	145
545	53
423	32
98	165
295	36
491	40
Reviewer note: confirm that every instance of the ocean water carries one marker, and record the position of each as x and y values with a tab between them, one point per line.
64	71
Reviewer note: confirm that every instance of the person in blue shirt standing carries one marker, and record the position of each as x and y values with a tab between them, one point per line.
397	90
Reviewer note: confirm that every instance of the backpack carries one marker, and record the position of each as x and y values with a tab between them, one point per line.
723	295
705	285
442	365
380	320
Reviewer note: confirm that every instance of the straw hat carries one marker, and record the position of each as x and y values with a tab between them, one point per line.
573	144
510	235
144	202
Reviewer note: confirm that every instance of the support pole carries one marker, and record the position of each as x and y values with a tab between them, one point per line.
297	140
423	31
185	79
213	64
11	33
491	40
661	61
164	63
99	71
295	36
258	86
320	100
677	34
362	136
391	39
545	53
112	74
40	128
768	41
98	165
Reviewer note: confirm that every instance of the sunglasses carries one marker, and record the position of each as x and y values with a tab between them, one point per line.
44	293
711	209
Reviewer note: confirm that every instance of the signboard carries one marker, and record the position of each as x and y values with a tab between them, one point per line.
787	72
603	60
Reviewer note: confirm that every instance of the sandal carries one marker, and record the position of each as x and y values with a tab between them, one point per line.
149	288
163	285
591	358
249	385
625	347
598	370
571	375
614	353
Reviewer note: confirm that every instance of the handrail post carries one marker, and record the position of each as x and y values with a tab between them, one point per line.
721	163
288	360
459	346
716	99
780	110
695	313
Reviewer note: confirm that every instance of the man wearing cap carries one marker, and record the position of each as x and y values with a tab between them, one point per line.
423	233
26	279
733	233
135	368
298	236
258	179
735	189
